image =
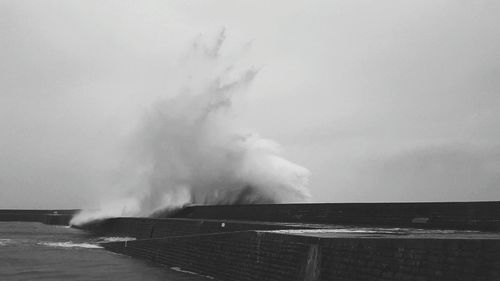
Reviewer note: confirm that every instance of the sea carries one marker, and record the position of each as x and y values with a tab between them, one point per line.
35	251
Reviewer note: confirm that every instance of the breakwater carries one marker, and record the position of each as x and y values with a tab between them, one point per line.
438	215
261	255
373	241
56	217
376	242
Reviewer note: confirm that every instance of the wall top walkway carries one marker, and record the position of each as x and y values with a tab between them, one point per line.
444	215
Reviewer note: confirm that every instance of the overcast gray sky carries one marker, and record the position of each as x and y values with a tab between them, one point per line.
381	100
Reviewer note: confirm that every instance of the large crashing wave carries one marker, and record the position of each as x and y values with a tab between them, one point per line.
192	152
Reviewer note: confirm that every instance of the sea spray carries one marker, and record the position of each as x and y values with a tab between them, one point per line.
191	152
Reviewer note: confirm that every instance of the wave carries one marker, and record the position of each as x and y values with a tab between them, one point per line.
115	239
189	149
70	245
4	242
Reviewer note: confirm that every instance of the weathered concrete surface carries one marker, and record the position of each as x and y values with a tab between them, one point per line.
375	242
268	255
142	228
320	241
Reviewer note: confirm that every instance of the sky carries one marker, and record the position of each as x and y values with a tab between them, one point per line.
383	101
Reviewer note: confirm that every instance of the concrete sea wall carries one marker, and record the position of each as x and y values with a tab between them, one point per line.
438	215
255	255
56	217
143	228
342	242
307	242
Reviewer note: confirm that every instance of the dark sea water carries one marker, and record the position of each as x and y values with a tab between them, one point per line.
34	251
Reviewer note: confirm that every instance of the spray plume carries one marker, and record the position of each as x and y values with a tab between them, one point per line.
192	153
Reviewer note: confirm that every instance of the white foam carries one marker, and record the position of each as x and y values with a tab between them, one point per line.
4	242
115	239
63	226
189	272
70	245
369	231
343	230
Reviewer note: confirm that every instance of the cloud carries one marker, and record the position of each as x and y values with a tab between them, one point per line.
448	172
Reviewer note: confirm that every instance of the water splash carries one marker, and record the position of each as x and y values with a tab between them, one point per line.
69	244
190	151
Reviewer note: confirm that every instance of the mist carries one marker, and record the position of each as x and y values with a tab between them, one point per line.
188	150
381	101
